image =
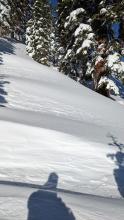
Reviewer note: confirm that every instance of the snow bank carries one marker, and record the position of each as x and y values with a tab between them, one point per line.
52	124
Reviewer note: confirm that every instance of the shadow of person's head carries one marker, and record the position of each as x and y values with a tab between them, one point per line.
52	181
45	203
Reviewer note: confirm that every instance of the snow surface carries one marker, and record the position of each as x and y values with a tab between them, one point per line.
68	206
49	123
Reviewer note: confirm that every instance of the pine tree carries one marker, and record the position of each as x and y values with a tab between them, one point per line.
108	45
39	31
79	42
89	52
16	15
3	24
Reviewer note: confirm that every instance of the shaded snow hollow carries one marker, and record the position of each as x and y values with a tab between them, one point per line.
49	123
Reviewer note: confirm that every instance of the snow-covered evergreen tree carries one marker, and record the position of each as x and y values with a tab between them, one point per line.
88	42
109	47
80	42
39	32
16	14
3	25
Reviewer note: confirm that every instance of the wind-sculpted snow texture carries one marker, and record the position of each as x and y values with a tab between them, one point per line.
49	123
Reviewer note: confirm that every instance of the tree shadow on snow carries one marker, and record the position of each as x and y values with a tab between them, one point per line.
6	47
3	93
118	157
46	205
120	86
1	59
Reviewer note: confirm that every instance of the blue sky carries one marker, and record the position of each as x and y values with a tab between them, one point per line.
115	28
54	2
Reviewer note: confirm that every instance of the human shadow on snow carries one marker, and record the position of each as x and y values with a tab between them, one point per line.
118	157
46	205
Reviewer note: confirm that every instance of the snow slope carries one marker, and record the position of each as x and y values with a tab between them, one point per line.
49	123
14	204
